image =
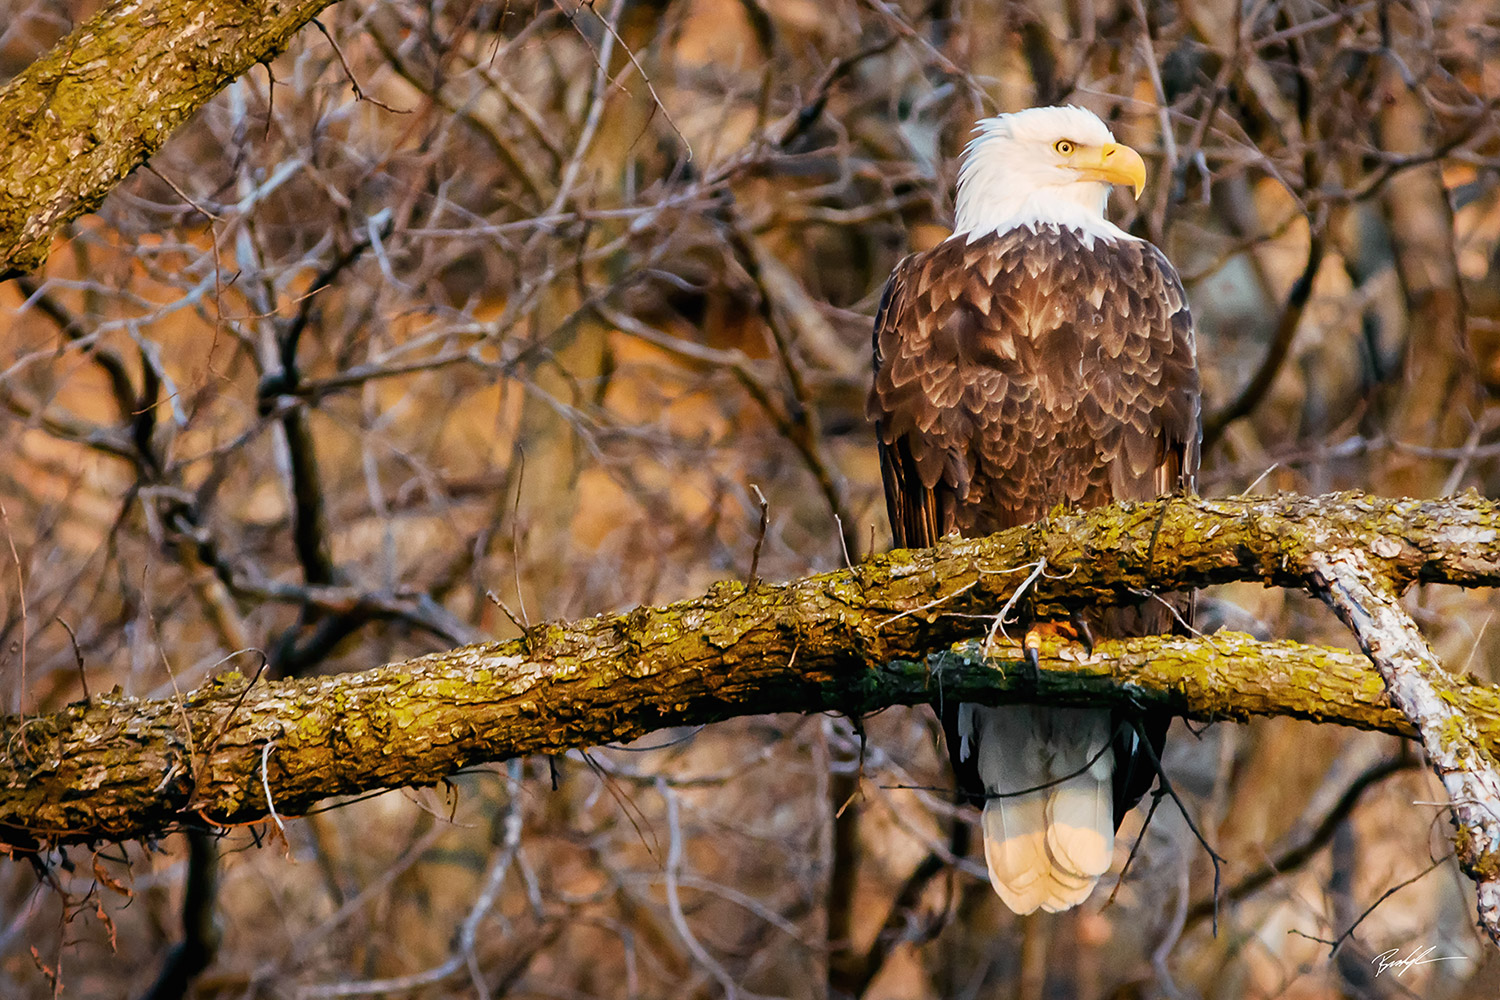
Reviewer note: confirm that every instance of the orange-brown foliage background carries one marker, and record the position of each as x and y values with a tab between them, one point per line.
551	325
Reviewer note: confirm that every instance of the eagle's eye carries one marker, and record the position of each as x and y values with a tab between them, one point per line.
1063	146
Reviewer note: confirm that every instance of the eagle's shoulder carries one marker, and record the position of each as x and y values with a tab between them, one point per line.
1011	275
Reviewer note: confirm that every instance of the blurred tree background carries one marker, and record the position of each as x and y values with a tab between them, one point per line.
467	314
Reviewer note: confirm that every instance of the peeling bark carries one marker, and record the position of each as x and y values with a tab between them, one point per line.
1417	685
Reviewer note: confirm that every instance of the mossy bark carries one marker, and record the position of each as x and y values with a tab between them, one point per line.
115	767
88	112
1417	685
852	641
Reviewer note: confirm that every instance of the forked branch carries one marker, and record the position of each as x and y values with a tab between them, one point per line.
1425	694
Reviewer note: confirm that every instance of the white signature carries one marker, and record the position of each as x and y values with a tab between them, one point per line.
1392	960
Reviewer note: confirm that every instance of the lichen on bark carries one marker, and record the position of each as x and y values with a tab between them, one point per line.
861	639
87	113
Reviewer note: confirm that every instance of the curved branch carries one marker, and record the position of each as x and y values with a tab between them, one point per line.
115	767
1280	348
84	125
1458	750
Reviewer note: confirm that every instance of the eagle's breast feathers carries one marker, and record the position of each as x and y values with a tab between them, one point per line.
1020	369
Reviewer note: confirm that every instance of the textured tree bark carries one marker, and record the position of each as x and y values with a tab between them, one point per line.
851	641
82	117
1417	685
115	767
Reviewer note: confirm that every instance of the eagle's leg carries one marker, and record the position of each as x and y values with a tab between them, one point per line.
1084	631
1076	632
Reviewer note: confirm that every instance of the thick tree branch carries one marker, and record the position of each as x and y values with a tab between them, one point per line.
1417	684
118	767
896	629
82	117
853	641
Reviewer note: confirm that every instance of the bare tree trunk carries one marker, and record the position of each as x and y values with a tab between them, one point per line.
1436	403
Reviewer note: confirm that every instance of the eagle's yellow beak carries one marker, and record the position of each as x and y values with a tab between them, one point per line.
1117	164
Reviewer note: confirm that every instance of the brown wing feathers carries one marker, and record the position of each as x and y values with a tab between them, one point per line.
1025	369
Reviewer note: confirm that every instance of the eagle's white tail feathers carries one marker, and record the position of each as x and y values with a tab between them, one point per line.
1015	850
1045	849
1081	823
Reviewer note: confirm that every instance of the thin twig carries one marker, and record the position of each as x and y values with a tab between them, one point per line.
1037	569
468	932
674	901
656	101
760	537
1144	743
515	544
83	677
15	558
928	606
265	784
1338	942
359	92
229	716
1134	850
595	111
1305	850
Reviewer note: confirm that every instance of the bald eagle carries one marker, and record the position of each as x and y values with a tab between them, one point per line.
1040	355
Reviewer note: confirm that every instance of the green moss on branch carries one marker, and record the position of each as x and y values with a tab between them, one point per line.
117	767
87	113
854	641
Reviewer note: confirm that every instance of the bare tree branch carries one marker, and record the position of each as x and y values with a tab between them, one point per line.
1281	344
88	123
1306	849
852	641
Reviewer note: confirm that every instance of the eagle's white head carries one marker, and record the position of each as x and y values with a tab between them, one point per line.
1039	166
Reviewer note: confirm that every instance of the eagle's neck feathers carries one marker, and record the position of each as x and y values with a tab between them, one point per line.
995	213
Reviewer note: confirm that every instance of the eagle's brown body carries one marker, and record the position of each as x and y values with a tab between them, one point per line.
1013	372
1002	389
